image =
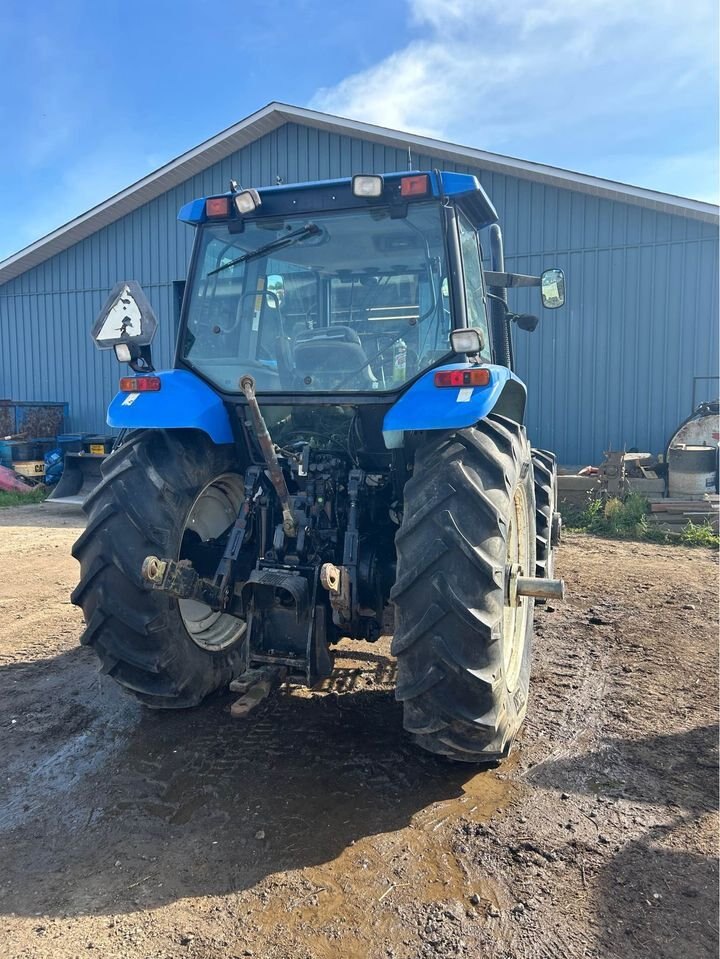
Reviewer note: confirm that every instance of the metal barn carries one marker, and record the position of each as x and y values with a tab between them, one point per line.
635	346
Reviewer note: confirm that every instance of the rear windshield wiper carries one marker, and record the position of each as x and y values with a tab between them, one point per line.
311	229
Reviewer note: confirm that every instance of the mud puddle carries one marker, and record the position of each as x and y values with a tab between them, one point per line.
322	785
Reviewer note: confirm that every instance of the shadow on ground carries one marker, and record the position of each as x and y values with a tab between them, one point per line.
655	896
658	898
676	769
109	808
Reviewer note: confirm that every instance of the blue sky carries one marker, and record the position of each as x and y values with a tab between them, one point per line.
95	95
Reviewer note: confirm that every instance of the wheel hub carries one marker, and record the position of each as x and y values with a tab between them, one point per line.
513	573
215	509
516	606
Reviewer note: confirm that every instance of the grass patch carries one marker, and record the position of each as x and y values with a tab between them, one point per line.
627	519
37	495
700	534
617	517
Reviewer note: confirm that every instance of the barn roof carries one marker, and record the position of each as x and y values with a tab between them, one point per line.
275	115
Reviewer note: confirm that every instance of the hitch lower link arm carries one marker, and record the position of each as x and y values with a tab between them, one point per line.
180	579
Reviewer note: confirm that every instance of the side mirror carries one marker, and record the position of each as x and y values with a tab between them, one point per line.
126	319
276	287
527	322
552	289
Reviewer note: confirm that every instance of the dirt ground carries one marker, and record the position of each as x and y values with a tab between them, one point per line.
315	830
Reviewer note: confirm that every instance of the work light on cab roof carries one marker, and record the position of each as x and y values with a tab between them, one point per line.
391	189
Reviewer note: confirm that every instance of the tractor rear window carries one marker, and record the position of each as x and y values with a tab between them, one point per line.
351	302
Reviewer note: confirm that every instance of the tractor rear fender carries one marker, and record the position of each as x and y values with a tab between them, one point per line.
426	406
183	402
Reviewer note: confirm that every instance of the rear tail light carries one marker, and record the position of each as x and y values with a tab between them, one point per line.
479	377
415	185
217	206
140	384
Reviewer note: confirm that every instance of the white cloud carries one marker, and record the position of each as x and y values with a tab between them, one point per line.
542	78
424	88
695	174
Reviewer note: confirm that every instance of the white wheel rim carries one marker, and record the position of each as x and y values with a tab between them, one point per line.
215	508
517	608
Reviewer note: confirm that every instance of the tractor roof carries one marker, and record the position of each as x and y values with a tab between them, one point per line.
326	195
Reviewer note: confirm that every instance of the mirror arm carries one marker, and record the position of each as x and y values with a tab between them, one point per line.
526	321
510	279
508	312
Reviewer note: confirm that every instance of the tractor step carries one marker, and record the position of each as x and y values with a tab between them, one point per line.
255	686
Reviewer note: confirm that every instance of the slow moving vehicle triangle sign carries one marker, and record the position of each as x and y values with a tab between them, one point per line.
126	317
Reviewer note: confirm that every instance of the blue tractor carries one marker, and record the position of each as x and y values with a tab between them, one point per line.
342	431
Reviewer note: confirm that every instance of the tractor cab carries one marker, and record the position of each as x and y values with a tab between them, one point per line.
345	287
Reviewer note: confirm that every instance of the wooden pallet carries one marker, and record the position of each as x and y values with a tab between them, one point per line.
675	514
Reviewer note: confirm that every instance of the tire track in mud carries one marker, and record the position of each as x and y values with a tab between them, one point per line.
604	767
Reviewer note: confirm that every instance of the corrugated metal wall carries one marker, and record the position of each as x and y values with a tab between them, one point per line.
613	368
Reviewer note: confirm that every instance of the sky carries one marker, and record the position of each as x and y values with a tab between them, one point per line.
95	95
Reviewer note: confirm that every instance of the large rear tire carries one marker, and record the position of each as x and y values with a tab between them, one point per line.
547	519
462	644
158	486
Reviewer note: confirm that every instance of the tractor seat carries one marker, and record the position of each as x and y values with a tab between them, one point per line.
329	354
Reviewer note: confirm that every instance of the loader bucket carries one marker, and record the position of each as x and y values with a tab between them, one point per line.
81	474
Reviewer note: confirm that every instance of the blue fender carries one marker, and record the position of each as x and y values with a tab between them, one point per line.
183	402
428	407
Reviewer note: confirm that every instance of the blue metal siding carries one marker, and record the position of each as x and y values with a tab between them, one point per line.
613	368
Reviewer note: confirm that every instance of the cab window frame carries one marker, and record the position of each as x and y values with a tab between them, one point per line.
469	244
